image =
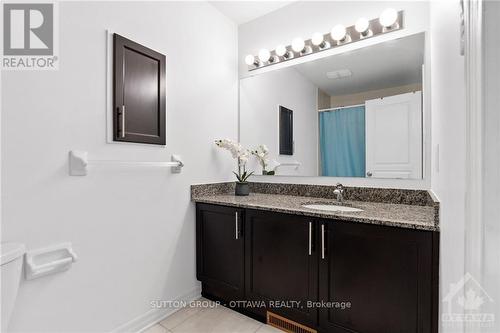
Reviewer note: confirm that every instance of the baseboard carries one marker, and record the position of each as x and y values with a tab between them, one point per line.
154	316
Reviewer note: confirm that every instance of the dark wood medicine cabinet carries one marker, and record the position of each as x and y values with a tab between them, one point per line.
139	93
286	131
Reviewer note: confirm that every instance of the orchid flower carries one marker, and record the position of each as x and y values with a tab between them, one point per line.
262	155
237	152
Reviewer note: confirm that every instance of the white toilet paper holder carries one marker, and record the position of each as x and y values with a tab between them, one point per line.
49	260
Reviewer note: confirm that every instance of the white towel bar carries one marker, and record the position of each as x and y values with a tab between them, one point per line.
284	164
78	163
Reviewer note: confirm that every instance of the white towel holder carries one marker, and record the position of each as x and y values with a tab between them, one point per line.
294	164
49	260
78	163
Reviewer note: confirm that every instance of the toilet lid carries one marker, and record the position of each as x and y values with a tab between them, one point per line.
11	251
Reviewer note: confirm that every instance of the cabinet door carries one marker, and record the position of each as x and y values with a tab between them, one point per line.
139	93
385	273
219	249
281	263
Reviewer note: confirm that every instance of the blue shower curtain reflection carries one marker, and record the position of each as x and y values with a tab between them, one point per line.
342	142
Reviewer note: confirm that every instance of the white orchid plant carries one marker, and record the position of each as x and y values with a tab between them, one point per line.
239	153
262	155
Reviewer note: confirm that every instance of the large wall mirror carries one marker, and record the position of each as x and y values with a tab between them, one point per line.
354	114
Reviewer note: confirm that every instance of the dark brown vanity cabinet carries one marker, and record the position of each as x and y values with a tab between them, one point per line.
220	250
348	277
281	264
139	93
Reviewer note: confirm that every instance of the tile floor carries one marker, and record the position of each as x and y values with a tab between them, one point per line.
212	319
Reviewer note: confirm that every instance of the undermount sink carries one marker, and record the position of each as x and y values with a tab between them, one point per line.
332	208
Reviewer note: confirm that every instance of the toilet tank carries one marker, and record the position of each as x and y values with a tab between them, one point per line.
11	258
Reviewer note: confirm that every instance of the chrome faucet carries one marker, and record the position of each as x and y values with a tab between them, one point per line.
339	192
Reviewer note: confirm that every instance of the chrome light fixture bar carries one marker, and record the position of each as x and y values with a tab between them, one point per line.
390	20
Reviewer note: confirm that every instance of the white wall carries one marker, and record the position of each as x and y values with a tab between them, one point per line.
260	97
491	162
448	139
133	228
303	18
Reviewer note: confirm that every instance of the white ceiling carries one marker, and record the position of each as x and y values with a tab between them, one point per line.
245	11
389	64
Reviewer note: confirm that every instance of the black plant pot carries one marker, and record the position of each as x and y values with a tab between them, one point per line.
242	189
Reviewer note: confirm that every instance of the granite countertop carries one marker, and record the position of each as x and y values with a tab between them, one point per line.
422	217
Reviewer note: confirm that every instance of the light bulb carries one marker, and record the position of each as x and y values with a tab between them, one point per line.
317	39
274	59
298	44
388	17
250	60
264	55
362	25
281	50
338	32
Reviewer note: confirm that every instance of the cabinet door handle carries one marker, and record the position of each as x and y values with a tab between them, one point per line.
122	133
236	227
310	238
322	241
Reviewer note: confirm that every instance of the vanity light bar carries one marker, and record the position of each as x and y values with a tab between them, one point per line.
390	20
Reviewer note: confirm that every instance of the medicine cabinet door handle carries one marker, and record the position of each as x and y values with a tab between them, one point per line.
123	122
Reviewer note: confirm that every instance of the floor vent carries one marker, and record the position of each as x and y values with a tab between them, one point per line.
287	325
